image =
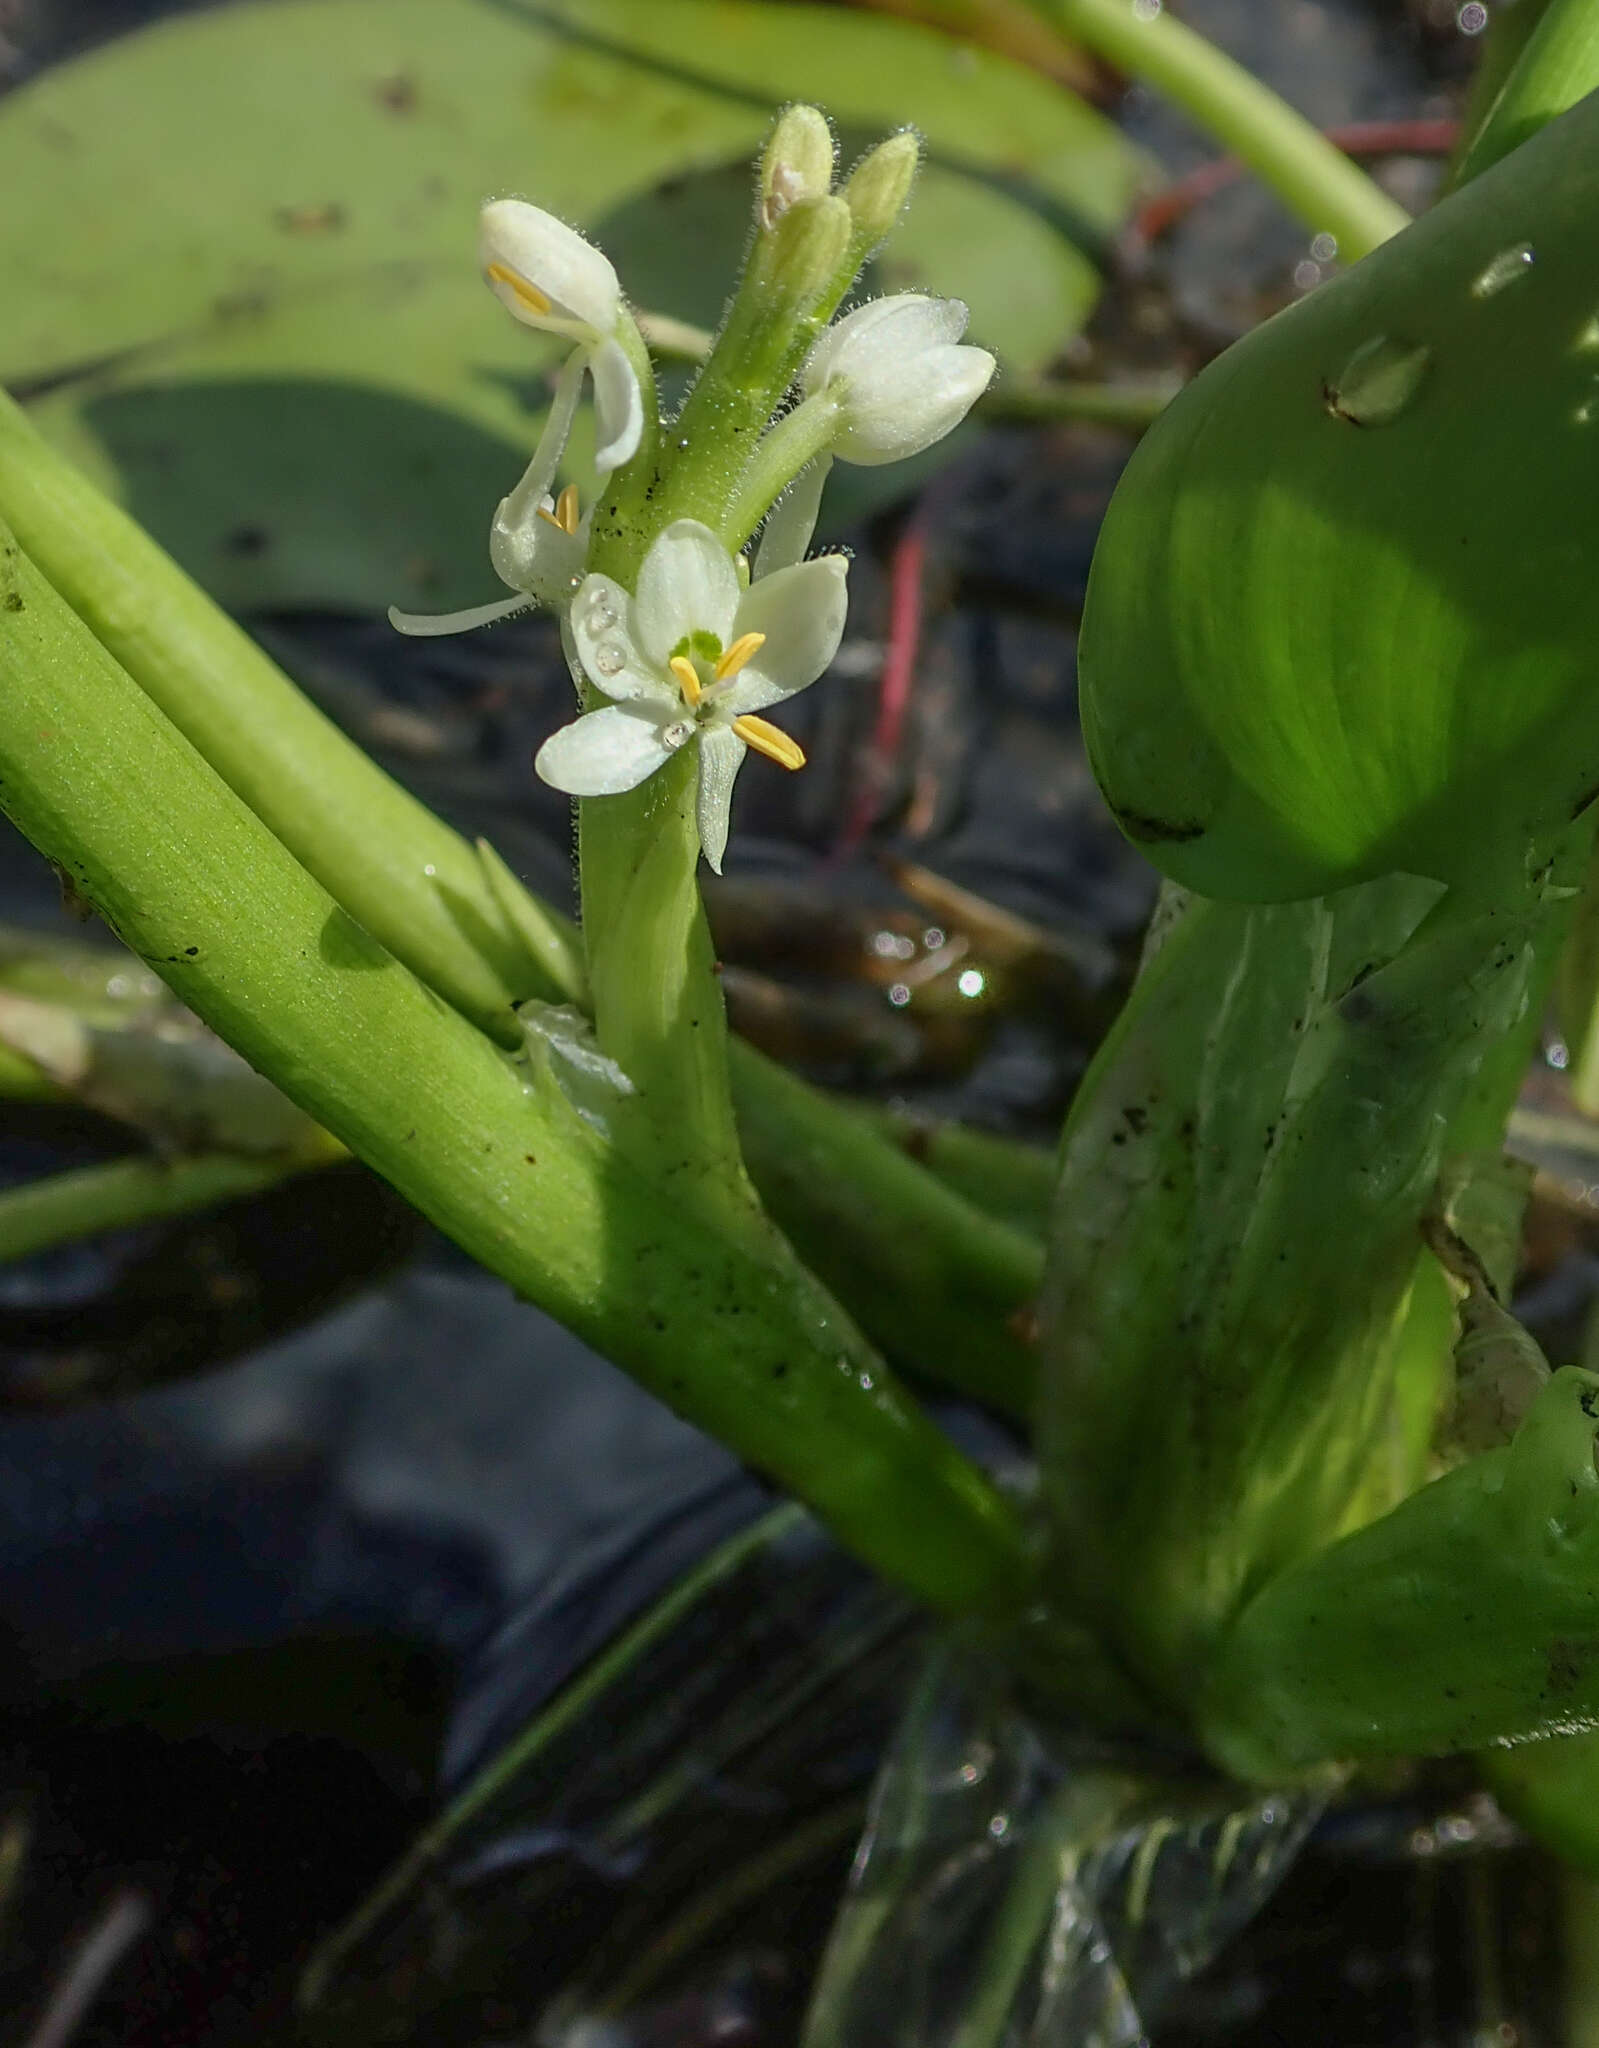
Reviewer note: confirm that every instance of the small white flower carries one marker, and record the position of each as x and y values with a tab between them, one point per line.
550	278
693	656
537	542
900	373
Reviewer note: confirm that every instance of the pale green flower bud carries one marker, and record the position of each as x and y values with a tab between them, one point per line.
796	164
807	249
878	187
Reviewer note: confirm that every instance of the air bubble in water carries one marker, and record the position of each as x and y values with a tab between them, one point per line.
1378	382
1506	268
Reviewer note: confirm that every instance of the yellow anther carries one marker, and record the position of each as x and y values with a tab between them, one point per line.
766	739
689	678
566	509
732	659
529	294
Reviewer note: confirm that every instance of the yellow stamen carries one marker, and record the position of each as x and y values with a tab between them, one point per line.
733	658
688	677
529	294
767	740
566	509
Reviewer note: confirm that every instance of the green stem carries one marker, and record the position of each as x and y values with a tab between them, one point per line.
191	658
383	855
1558	67
946	1288
1131	405
729	1330
69	1206
791	446
1315	181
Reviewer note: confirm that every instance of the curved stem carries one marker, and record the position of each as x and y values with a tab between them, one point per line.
65	1207
1315	181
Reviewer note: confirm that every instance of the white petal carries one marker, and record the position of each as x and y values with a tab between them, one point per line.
603	752
606	648
902	381
538	480
801	611
895	327
894	418
433	625
791	523
618	407
721	757
687	584
555	260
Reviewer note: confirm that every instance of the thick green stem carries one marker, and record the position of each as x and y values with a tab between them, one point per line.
733	1334
1558	67
1315	181
191	659
368	841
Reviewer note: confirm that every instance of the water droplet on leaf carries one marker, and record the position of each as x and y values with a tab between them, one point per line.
1378	382
1506	268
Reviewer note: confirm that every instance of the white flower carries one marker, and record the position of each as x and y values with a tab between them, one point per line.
900	374
550	278
693	657
537	543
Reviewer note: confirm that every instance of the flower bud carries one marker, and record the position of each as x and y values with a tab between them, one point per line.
803	255
900	375
546	273
878	187
1343	614
797	163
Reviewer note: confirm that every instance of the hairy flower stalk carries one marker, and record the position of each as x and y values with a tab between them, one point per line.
676	654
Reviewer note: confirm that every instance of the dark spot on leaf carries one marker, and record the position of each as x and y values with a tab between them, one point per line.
397	94
1150	831
191	951
13	601
247	541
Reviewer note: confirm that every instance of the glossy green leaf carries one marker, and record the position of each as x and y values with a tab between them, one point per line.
1342	618
1469	1615
244	291
1244	1348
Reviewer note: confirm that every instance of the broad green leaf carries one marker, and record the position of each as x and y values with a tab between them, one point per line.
1342	617
1243	1349
244	292
1467	1616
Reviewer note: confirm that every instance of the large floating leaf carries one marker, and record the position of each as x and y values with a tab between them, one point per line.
244	295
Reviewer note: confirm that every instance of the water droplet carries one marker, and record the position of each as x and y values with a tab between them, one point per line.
677	734
899	995
429	869
1324	248
1146	10
971	982
602	615
1472	18
933	937
1377	383
1558	1054
1506	268
609	659
1307	275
